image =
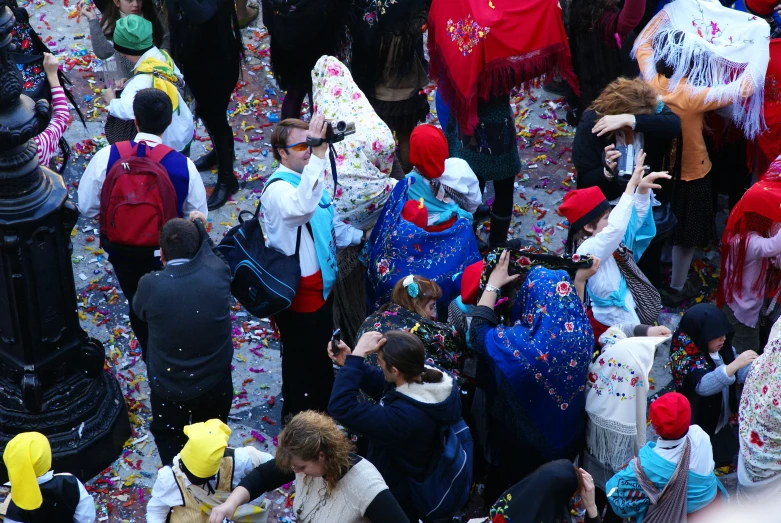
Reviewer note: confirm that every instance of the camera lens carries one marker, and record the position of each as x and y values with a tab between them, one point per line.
341	126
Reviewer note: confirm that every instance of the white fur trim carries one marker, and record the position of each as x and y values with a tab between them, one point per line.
430	393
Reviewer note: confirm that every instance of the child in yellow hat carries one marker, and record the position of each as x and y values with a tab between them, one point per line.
37	493
202	476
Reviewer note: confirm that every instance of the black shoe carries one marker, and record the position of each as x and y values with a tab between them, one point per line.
482	211
673	298
222	191
207	161
519	243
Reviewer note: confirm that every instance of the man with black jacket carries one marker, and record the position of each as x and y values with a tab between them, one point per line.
187	307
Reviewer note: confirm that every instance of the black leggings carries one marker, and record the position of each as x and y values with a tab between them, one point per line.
294	98
501	210
212	77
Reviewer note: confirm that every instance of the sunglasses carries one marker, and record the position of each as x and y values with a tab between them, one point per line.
298	147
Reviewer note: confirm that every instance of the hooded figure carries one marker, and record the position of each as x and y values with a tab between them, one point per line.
203	476
37	494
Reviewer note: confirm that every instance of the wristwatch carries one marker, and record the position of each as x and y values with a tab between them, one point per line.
491	288
634	122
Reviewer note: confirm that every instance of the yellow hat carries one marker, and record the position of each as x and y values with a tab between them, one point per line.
205	447
26	457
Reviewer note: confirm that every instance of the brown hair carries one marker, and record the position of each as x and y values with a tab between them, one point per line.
427	290
278	138
406	353
626	96
110	15
307	435
574	239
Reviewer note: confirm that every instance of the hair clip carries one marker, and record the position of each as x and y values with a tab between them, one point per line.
412	287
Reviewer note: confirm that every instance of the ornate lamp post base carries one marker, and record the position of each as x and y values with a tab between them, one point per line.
52	377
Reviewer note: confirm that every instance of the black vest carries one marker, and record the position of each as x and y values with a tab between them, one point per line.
60	499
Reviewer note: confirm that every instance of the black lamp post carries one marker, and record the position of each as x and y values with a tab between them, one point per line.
51	374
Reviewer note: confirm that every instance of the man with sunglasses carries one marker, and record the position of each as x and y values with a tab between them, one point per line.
294	200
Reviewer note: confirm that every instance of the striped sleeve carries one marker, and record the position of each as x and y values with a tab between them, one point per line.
60	121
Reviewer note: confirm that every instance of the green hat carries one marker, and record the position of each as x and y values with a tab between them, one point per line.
133	35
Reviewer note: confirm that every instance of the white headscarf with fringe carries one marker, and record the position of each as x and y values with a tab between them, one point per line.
616	399
719	49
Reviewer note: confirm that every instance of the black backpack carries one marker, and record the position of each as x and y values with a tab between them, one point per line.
263	279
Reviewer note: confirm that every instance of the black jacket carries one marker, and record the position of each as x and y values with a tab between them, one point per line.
402	427
588	149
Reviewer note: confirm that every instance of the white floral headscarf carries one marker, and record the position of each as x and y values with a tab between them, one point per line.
363	159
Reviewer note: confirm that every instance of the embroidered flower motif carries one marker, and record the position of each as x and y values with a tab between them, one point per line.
377	146
529	318
576	258
356	95
523	261
691	349
764	389
755	440
592	377
383	266
333	70
467	34
634	381
563	288
573	363
564	406
336	91
569	326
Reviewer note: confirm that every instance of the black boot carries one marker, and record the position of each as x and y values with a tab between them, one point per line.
222	191
500	225
207	161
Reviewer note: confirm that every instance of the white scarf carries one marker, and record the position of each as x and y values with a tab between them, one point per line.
717	42
616	402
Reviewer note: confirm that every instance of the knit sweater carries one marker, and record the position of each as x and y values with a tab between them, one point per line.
187	308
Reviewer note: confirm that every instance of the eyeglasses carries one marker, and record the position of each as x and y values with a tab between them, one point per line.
298	147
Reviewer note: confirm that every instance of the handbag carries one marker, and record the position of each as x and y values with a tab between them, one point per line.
664	219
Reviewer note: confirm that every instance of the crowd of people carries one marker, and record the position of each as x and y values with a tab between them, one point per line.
418	359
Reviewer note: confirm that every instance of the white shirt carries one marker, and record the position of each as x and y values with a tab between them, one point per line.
701	456
91	182
602	245
285	208
166	494
85	510
180	132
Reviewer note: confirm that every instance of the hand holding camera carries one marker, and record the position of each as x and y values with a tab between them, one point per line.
315	137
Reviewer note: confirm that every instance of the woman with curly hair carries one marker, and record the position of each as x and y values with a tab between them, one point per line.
600	37
333	485
628	116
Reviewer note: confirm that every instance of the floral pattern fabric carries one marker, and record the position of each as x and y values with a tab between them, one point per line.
759	416
445	346
363	159
685	357
29	60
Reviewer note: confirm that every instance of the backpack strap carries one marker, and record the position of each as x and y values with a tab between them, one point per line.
126	149
158	152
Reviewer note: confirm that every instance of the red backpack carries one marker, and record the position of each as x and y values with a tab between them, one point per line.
137	198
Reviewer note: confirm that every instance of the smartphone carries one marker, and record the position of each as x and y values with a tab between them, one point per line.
336	337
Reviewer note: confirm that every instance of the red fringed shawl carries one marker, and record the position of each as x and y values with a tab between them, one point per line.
755	213
769	142
484	48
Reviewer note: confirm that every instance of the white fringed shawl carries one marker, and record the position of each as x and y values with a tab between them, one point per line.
616	400
721	49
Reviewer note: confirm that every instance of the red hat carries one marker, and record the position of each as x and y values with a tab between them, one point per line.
416	213
470	282
761	8
428	150
671	415
582	206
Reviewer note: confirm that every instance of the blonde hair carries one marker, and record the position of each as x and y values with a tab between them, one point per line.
427	290
307	435
626	96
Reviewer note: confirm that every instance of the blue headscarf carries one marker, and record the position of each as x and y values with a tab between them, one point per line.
543	359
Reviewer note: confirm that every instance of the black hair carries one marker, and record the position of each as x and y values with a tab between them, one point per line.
179	238
406	352
153	111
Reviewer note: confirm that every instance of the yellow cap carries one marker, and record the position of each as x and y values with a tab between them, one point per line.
26	457
205	447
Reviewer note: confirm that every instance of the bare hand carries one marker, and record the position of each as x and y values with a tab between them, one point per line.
500	276
198	215
51	64
88	12
369	343
109	94
120	84
222	512
744	359
587	493
588	272
611	157
659	330
649	182
317	127
612	122
637	174
341	356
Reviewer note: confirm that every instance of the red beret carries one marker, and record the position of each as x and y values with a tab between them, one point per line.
416	213
428	150
470	282
671	415
762	8
583	206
